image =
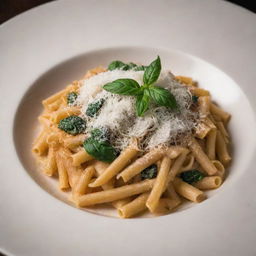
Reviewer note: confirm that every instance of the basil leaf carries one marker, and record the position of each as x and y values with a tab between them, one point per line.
142	103
139	68
149	173
123	86
117	64
162	97
195	99
132	65
102	151
191	176
125	67
71	98
72	125
100	134
94	107
152	72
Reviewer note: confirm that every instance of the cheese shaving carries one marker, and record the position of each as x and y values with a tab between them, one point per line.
159	125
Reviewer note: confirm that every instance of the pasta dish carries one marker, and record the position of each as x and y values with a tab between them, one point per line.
133	136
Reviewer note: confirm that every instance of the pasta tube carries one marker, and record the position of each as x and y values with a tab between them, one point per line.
211	182
217	111
116	193
81	157
116	166
82	183
202	158
160	184
140	164
222	150
188	191
134	207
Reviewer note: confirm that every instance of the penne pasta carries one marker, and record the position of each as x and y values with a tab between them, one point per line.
223	131
159	185
173	151
204	105
51	165
63	113
117	165
217	111
116	193
134	207
202	129
208	121
45	120
211	144
186	80
101	167
55	105
188	191
40	146
219	166
199	91
55	97
74	141
222	150
188	163
211	182
141	163
166	145
81	157
81	185
165	205
172	195
54	138
122	202
202	158
176	167
63	174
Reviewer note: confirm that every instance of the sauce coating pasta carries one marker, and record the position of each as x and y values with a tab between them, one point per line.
135	137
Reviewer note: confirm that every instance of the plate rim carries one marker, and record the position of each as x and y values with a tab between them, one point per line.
21	17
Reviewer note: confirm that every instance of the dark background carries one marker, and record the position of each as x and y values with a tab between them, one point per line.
11	8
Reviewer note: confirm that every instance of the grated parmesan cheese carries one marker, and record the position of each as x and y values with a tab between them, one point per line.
159	125
115	112
92	86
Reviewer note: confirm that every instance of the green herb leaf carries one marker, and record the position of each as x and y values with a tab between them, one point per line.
123	87
72	125
71	98
195	99
102	151
152	72
162	97
100	134
149	173
94	107
132	65
140	68
117	64
142	104
135	67
191	176
145	92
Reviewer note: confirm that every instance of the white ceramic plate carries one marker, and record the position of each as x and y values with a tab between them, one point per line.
47	47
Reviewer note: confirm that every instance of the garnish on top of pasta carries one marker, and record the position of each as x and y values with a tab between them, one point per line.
137	137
